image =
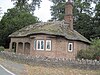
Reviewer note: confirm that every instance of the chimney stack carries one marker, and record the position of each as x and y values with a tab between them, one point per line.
69	14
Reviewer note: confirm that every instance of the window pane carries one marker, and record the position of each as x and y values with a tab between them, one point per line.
38	44
48	45
42	45
70	47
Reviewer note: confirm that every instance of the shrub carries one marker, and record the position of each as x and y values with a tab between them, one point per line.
86	54
97	55
93	52
96	47
1	48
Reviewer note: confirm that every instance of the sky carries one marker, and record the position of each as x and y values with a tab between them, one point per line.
42	13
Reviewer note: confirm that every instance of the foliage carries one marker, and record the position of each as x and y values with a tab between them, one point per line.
80	6
26	5
16	18
58	9
93	52
86	54
96	21
82	15
96	47
84	21
84	24
1	48
13	20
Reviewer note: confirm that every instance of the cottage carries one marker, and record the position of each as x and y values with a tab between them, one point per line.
55	39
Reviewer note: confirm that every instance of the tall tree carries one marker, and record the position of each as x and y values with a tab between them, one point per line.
82	14
58	9
96	27
80	6
14	20
28	5
19	16
84	24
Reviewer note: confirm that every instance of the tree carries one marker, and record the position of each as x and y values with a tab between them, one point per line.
96	27
93	52
13	20
84	25
58	9
26	5
82	11
80	6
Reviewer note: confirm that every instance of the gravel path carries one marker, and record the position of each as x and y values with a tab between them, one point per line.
17	68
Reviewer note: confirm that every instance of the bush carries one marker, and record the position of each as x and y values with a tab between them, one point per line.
86	54
1	48
96	47
93	52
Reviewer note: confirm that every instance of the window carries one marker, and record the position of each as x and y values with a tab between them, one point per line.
70	47
48	45
40	44
34	44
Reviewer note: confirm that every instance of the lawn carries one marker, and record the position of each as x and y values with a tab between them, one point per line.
40	70
44	70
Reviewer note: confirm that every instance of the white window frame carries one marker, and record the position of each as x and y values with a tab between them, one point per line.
40	45
72	47
47	44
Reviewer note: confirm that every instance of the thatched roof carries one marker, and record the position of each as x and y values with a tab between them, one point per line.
58	28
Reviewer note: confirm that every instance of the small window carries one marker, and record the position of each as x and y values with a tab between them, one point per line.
34	44
48	45
70	47
40	44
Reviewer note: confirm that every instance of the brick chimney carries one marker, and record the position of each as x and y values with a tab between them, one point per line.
69	14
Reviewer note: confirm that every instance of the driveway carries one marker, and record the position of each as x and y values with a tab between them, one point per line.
16	68
4	71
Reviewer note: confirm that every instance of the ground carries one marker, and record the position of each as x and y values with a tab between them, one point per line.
24	69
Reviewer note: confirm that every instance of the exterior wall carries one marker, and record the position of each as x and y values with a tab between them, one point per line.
44	53
59	46
20	42
80	45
